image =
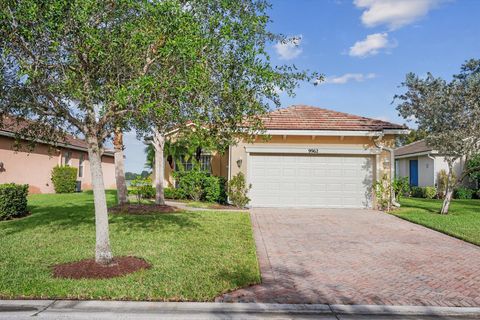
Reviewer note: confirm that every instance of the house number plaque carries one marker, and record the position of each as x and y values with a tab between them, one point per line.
313	150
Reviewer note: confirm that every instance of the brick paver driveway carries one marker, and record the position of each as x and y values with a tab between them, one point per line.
358	257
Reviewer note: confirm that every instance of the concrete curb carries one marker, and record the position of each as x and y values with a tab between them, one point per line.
65	306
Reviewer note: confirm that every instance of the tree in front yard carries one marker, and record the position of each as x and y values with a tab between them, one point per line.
449	113
75	65
220	77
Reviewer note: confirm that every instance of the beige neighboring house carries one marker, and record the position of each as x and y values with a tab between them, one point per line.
421	164
34	167
313	157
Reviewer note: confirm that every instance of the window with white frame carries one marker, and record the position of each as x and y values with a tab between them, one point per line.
205	163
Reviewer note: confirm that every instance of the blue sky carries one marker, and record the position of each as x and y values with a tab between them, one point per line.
365	48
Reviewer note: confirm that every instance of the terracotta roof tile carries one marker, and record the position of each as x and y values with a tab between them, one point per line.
302	117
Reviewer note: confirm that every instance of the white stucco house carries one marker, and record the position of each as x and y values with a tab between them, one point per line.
421	164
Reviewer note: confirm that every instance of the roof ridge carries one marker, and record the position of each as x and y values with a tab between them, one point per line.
412	143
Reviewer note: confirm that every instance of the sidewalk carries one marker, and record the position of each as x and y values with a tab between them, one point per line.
116	310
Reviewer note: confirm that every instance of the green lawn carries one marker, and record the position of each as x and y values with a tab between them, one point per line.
463	220
195	256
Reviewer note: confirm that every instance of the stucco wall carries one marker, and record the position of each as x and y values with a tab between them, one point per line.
34	168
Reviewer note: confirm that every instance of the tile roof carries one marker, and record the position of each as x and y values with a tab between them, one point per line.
413	148
11	125
302	117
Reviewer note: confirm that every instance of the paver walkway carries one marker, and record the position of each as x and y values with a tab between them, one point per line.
342	256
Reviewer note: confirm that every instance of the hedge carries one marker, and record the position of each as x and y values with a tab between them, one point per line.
64	179
13	200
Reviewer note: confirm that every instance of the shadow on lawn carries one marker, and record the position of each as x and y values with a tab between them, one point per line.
435	205
79	213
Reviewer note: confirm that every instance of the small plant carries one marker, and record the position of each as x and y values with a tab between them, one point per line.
401	188
442	179
13	200
382	193
142	189
237	190
430	192
214	189
463	193
64	179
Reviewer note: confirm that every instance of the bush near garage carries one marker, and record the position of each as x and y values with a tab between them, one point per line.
13	200
199	185
64	179
401	188
237	190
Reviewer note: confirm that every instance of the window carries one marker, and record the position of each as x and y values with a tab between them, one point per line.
205	163
67	157
80	166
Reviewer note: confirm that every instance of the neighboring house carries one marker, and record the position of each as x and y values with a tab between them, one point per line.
314	158
421	164
34	167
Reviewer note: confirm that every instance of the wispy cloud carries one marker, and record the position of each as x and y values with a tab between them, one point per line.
371	45
394	13
349	77
290	48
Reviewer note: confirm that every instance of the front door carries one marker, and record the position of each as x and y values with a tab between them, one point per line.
414	173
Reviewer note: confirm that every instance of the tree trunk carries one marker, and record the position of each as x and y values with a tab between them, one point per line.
103	254
159	144
448	189
120	167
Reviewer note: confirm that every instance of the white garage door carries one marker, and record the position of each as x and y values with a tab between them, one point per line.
310	181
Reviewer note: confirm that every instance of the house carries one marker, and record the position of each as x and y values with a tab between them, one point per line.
310	157
422	164
34	167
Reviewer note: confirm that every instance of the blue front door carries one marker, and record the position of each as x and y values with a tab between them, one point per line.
414	173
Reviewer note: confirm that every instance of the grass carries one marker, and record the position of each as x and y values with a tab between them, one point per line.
205	205
196	256
462	221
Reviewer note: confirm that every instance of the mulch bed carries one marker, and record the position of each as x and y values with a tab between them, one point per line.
89	269
142	209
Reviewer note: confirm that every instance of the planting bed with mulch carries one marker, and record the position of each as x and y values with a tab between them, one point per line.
142	209
89	269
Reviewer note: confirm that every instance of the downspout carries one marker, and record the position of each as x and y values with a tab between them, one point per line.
434	175
392	169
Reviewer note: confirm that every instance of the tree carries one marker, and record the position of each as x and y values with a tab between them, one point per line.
120	166
473	167
449	114
413	136
75	65
226	79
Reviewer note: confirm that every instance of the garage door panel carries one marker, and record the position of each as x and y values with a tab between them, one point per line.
310	181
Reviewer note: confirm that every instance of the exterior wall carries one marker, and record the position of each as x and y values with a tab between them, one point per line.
34	168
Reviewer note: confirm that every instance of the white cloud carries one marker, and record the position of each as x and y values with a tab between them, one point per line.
383	118
371	45
289	49
348	77
394	13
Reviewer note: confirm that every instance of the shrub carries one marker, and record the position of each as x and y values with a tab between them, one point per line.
13	200
477	194
463	193
430	192
64	179
401	188
192	182
173	193
214	189
417	192
237	190
142	189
